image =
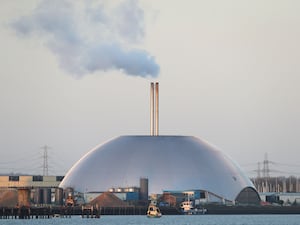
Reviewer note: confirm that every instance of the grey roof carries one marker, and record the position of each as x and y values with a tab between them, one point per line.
169	162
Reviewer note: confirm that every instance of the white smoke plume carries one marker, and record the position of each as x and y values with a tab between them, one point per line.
89	35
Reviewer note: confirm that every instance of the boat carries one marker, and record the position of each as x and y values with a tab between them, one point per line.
153	211
187	208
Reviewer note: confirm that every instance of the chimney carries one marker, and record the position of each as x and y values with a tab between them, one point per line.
156	109
154	100
152	109
144	189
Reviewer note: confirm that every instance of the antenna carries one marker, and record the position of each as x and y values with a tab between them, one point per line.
45	158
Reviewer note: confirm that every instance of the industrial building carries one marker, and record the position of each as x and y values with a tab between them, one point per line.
176	163
278	190
30	190
280	198
17	181
169	162
277	184
130	195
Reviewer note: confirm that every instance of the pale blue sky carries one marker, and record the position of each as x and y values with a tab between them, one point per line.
229	73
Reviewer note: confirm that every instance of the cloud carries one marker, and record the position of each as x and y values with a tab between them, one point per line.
88	36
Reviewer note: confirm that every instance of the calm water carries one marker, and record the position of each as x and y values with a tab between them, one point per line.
168	220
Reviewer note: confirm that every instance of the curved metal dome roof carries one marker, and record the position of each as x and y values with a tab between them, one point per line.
169	162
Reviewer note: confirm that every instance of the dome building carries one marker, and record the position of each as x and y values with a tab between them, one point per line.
169	162
176	163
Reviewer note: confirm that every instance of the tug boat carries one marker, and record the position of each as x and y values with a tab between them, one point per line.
153	211
187	208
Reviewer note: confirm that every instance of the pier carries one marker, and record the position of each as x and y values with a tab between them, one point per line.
96	212
67	212
47	212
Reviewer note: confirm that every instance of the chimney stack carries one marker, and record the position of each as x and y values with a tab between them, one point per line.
154	100
152	109
156	108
